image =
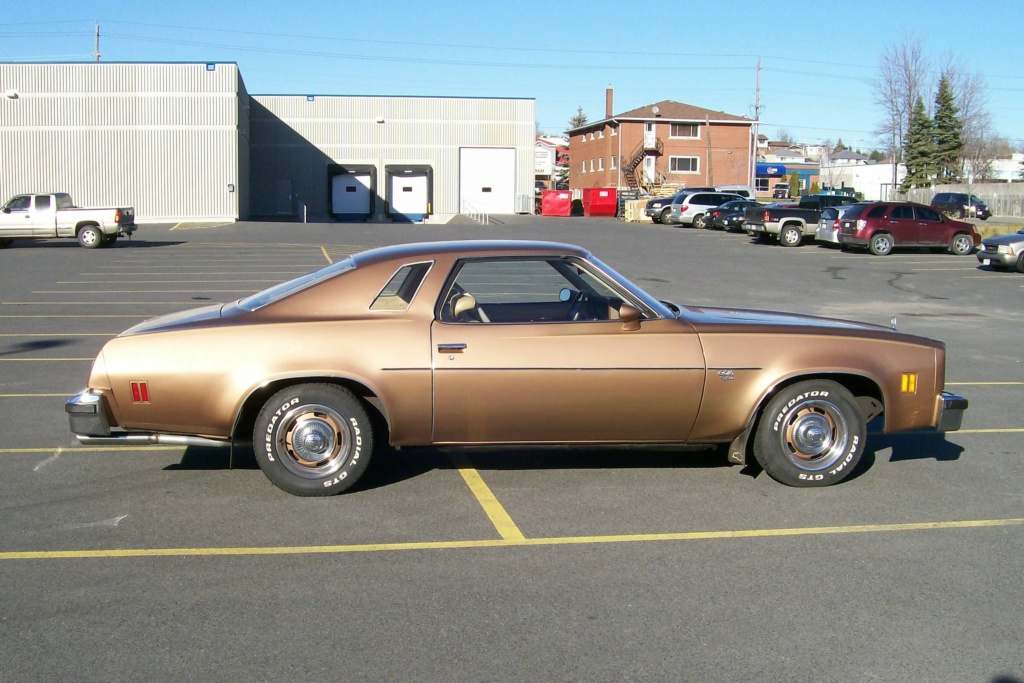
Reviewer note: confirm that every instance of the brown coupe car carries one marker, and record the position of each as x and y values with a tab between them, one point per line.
468	343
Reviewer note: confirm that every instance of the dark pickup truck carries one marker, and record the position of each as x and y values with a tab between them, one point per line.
790	224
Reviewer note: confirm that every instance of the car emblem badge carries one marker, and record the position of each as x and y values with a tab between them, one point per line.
726	375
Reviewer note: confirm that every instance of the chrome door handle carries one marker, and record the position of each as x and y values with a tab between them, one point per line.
451	348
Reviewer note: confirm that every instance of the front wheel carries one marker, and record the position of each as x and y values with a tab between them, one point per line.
810	434
90	237
313	439
881	244
791	236
1020	264
962	244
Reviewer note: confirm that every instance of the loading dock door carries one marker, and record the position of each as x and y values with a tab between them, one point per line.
409	196
350	194
487	180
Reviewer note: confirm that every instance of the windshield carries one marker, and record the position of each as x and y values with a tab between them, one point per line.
278	292
659	307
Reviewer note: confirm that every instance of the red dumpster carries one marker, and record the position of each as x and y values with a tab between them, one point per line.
600	201
555	203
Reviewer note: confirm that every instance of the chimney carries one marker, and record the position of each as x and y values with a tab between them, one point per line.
608	103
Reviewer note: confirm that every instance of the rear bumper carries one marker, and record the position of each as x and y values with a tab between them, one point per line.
87	416
951	411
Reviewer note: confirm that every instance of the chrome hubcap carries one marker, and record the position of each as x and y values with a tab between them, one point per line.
313	441
816	435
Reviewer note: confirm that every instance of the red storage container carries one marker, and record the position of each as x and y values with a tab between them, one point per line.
600	201
556	203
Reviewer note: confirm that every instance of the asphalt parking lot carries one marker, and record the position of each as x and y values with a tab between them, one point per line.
163	563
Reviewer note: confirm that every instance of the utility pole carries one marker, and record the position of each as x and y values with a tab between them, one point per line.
757	125
96	49
707	129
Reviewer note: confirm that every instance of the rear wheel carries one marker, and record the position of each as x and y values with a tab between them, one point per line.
810	434
791	236
5	242
881	244
313	439
962	244
90	237
1020	264
700	221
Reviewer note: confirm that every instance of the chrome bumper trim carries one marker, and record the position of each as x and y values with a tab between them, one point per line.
953	409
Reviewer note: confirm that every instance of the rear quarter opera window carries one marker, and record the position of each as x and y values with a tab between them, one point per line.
877	211
401	289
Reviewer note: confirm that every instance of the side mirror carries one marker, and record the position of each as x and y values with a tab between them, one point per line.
630	317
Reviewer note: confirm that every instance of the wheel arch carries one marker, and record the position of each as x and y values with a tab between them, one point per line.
245	417
866	391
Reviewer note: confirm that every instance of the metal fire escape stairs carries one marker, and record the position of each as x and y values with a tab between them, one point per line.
632	169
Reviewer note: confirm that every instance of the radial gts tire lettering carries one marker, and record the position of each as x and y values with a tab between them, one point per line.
810	434
313	439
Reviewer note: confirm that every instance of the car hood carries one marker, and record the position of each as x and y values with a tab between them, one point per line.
706	317
176	320
1012	238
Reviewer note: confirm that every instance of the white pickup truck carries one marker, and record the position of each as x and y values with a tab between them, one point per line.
39	216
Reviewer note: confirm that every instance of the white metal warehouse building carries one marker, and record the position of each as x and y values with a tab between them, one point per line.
186	142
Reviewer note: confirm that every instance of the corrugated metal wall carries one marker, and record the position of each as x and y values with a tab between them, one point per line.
168	139
298	138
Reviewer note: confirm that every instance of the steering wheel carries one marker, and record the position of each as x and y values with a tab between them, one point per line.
576	305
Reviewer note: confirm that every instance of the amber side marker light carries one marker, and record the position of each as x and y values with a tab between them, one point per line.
909	384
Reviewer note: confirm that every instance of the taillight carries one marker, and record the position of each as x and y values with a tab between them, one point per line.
767	215
117	215
836	225
861	224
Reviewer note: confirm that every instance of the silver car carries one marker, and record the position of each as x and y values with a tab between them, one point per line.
828	224
692	209
1004	251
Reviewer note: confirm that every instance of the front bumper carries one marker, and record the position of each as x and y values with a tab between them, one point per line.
951	411
997	258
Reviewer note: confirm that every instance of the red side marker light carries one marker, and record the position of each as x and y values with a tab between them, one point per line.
140	392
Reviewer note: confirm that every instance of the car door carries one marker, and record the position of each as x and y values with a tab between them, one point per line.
519	363
903	226
16	217
931	229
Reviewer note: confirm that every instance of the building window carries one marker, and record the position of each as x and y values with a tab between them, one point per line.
615	130
583	166
591	165
613	163
684	164
591	135
600	164
600	133
684	130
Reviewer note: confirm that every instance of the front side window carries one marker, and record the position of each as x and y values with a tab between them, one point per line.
925	213
19	203
529	290
684	164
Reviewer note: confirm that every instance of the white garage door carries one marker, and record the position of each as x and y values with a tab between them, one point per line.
487	180
409	195
350	193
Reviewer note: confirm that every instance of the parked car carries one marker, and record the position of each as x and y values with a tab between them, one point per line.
780	191
830	222
41	216
503	342
692	209
657	209
960	205
730	216
791	224
883	226
1004	251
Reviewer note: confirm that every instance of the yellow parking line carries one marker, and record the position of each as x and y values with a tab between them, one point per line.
981	384
988	431
326	255
499	543
501	519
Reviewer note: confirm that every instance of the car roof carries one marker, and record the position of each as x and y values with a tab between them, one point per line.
468	248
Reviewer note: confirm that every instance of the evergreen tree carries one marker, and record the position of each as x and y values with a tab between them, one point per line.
815	188
794	184
919	149
949	140
579	119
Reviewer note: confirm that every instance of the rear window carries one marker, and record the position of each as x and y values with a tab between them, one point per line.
278	292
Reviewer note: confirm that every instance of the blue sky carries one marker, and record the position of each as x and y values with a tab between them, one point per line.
817	58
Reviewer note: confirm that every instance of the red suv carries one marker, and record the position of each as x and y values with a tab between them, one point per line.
880	226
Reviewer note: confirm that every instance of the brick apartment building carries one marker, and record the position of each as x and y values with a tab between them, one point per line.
664	143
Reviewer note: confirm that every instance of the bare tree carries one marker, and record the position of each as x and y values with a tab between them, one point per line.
783	136
902	78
